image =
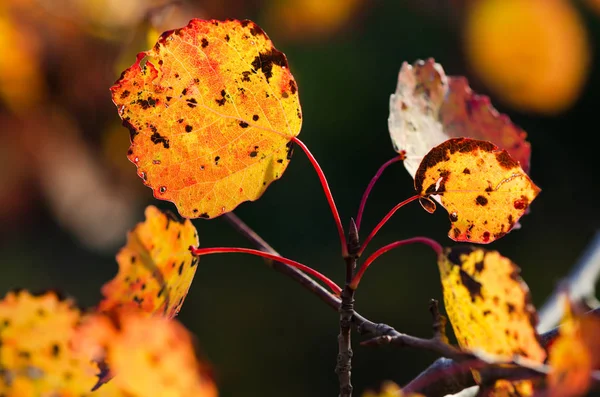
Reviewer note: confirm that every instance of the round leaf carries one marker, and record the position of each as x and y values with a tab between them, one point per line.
211	111
483	189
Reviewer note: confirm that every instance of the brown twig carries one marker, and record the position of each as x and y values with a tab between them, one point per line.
343	367
447	375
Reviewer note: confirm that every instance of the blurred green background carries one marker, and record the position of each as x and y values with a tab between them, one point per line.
68	194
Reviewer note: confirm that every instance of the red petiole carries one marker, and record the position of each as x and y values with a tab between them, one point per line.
384	220
328	195
434	245
308	270
365	196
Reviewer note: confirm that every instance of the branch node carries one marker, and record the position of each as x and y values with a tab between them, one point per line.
439	321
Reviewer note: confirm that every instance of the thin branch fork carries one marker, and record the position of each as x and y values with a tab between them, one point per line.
447	375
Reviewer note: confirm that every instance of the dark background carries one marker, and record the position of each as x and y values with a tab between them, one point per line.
263	334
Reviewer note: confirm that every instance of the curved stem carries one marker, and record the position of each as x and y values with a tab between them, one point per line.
365	196
224	250
434	245
328	195
384	220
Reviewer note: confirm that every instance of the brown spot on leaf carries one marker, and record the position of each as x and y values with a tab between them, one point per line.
472	285
265	61
156	138
480	200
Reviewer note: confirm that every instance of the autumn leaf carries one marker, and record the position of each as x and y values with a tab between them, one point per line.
35	354
211	111
533	54
156	267
483	189
488	303
149	356
574	353
429	107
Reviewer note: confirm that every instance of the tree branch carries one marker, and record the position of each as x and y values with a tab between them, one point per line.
447	375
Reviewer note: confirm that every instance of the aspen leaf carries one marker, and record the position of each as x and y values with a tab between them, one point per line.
35	354
211	111
488	303
574	354
429	107
483	189
156	267
149	356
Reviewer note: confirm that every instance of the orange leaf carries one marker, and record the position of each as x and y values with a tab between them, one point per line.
149	356
483	189
211	111
156	267
429	107
488	303
574	354
35	354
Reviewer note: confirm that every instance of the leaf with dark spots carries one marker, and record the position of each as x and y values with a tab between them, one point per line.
485	199
36	333
484	297
228	79
151	282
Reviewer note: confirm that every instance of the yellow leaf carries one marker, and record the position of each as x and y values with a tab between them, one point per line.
36	358
488	303
156	267
483	189
211	111
533	54
574	354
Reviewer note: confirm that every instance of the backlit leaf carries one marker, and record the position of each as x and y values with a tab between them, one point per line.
156	267
574	354
488	303
149	356
483	189
429	107
533	54
211	111
35	354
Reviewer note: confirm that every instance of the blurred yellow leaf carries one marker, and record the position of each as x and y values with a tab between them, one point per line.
574	354
21	80
533	54
305	19
36	358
